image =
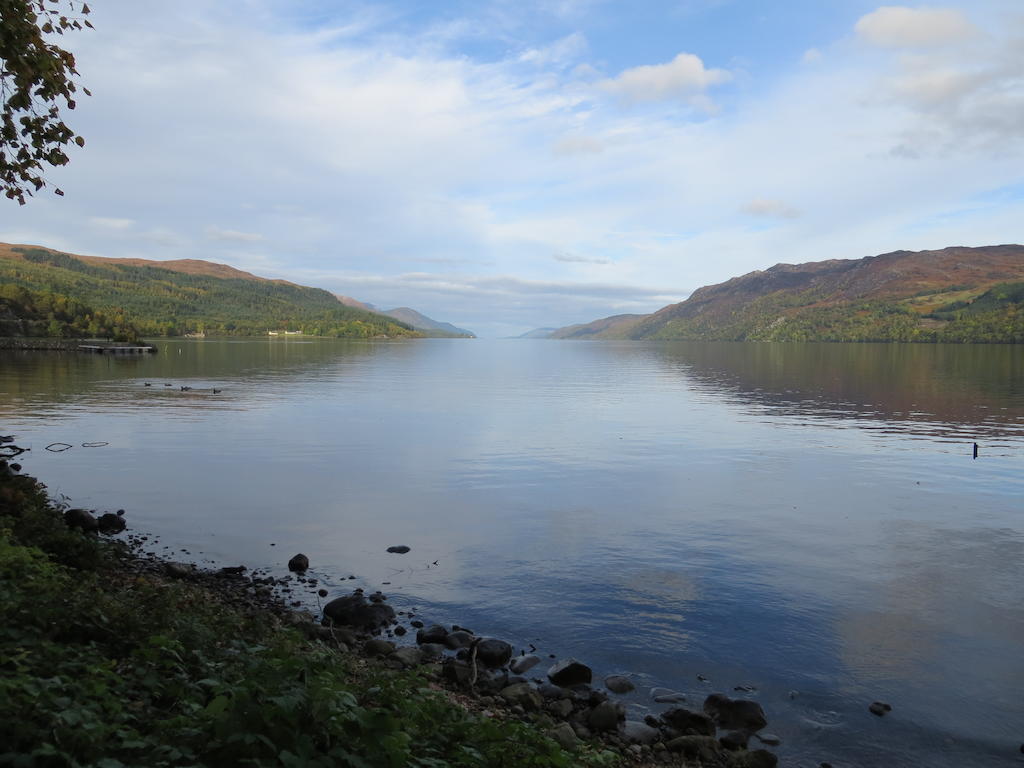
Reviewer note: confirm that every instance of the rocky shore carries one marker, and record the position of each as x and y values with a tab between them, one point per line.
485	675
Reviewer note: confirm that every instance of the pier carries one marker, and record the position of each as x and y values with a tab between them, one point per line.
103	349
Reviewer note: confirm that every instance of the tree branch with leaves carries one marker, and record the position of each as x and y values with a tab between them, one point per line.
36	83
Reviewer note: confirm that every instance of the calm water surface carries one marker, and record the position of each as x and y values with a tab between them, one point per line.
806	519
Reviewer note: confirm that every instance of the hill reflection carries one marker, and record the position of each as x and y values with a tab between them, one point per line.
931	390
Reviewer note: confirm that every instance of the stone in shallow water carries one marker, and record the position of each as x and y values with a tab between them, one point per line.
110	523
399	549
667	696
458	638
879	708
299	563
432	634
493	652
525	663
735	714
354	611
569	672
619	684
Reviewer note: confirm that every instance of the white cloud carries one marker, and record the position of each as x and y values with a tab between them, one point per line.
571	258
232	235
683	77
578	145
770	208
811	56
895	26
112	224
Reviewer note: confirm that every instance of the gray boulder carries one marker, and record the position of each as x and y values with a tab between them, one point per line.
734	740
561	708
432	634
758	758
179	570
706	748
619	684
457	672
637	732
667	696
82	519
569	672
552	691
109	523
688	722
299	563
735	714
377	647
879	708
355	611
458	638
525	663
432	651
493	652
564	736
522	694
603	717
410	657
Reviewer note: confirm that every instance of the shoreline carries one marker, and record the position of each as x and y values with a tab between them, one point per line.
48	344
478	675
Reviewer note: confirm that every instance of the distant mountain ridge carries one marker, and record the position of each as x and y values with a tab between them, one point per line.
956	294
613	327
417	320
536	333
421	322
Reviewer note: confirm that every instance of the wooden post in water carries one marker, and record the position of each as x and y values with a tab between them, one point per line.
975	450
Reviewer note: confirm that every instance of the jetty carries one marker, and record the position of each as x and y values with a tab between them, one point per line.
119	349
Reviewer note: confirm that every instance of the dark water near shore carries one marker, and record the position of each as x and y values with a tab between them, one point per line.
800	518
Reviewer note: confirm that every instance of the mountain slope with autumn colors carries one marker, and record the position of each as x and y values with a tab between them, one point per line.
954	294
169	298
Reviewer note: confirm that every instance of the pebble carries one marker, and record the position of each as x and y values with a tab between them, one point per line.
879	708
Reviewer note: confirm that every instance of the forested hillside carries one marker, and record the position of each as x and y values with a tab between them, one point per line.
28	313
949	295
174	298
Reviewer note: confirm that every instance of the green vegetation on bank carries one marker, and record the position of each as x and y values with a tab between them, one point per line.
108	665
31	313
166	302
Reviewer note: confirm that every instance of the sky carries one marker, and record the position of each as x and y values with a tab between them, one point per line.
510	164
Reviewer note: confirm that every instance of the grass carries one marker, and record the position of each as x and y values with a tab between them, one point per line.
106	665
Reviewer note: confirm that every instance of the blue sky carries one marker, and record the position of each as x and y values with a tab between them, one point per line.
507	165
